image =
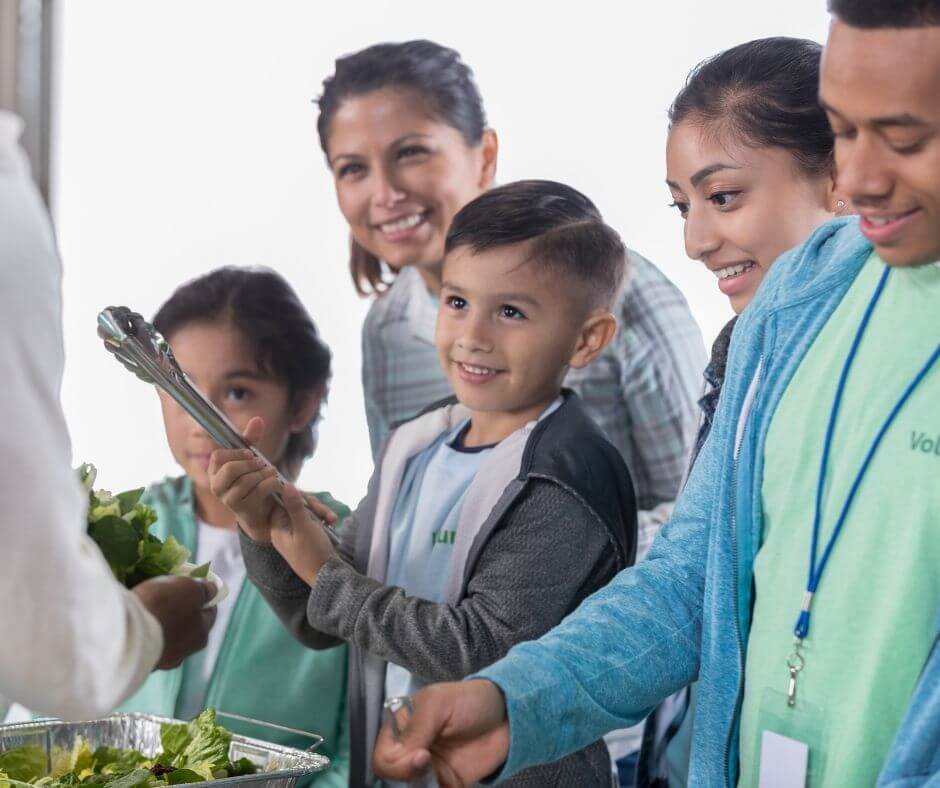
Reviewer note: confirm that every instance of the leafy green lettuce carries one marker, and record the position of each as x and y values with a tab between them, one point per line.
192	752
25	763
120	526
79	759
203	746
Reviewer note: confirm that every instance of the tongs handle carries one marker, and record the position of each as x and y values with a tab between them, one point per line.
143	351
317	738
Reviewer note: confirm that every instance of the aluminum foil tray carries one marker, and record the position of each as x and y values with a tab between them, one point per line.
279	766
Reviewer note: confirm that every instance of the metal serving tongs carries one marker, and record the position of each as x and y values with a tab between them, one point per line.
142	350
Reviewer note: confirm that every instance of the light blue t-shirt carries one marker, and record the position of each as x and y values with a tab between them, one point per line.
424	527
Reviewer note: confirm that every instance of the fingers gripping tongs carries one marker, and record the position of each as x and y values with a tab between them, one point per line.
142	350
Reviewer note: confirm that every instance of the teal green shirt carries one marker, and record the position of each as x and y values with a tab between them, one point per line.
261	671
875	612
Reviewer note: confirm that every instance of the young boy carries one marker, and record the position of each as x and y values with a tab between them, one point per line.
492	515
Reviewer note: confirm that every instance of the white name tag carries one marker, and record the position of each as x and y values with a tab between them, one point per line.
783	761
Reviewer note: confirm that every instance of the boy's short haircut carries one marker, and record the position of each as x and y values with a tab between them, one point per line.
565	232
874	14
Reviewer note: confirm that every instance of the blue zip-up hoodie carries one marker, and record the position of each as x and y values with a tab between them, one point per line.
685	613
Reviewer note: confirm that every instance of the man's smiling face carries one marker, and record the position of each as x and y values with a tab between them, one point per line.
881	90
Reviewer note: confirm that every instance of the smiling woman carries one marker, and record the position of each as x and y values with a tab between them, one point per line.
405	136
749	165
749	160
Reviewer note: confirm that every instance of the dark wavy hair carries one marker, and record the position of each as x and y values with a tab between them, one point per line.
565	231
872	14
260	304
436	75
765	93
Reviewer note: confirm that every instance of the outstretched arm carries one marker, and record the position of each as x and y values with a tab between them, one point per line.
623	650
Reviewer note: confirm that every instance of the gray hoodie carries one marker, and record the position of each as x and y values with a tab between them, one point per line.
549	518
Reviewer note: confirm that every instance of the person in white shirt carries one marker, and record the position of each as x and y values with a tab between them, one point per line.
75	642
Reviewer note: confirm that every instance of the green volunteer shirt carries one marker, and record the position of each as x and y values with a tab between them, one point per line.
875	611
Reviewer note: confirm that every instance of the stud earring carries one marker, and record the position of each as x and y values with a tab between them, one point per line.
840	205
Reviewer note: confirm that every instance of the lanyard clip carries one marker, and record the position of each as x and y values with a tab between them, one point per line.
795	663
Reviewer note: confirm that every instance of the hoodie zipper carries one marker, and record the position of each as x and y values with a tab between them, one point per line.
739	441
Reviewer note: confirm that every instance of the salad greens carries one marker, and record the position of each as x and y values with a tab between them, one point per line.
192	752
120	526
21	763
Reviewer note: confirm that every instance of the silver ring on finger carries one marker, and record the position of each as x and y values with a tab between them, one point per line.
393	706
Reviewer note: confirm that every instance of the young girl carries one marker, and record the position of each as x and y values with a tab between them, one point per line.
750	168
245	340
406	138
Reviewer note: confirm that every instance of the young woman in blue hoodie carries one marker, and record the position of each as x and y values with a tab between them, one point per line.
737	221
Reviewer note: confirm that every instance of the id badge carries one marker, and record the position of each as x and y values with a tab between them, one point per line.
791	744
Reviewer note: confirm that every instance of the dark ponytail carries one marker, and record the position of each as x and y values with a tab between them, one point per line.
437	76
260	304
765	93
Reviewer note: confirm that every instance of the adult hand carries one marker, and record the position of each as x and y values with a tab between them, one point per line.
178	603
298	537
459	730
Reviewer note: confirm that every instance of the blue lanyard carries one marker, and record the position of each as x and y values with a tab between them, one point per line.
815	571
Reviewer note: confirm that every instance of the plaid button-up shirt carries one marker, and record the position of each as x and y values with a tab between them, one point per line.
642	390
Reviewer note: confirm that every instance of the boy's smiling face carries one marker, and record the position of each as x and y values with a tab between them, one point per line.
507	331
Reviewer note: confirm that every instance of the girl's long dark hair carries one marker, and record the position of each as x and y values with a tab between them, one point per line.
259	303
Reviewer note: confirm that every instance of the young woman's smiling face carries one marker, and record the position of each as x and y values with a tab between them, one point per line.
401	174
742	206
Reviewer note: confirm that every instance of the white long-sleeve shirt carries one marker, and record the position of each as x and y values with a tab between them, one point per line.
75	643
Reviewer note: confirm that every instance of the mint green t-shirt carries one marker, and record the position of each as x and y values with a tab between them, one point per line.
875	611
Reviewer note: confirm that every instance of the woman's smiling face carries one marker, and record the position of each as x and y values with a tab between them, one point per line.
743	206
401	174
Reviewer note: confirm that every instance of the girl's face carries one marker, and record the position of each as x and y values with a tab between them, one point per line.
221	363
743	206
401	174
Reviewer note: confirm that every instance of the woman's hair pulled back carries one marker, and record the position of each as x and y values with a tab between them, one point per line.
435	75
765	93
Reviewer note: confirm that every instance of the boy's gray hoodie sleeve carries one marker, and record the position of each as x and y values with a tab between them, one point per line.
548	555
285	592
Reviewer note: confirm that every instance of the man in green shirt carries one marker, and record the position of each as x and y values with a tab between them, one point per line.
873	622
874	611
799	578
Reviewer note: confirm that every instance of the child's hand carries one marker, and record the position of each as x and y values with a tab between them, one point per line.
298	537
244	483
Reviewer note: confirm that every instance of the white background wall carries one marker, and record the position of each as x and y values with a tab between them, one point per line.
185	139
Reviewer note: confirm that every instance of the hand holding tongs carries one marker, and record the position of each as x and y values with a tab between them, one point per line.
141	348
